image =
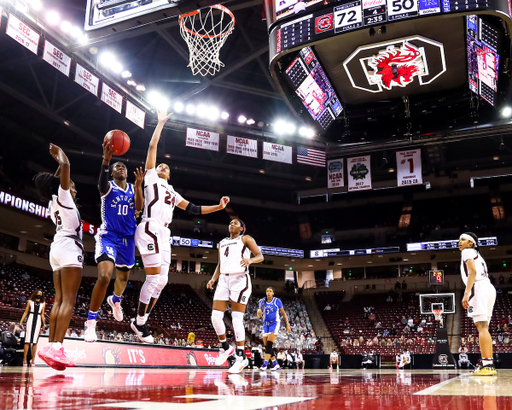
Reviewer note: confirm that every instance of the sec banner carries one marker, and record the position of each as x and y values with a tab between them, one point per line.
135	114
87	80
202	139
277	152
56	58
408	166
22	33
242	146
359	173
335	173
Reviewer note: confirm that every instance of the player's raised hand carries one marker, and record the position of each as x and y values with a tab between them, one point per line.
54	151
107	151
224	201
162	115
139	176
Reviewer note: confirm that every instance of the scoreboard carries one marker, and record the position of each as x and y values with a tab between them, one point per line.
449	244
303	26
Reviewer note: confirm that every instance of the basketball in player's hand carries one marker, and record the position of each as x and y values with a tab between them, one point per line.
119	142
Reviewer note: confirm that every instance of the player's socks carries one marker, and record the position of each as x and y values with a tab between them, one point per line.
141	320
146	317
115	298
487	362
265	364
224	344
274	362
92	315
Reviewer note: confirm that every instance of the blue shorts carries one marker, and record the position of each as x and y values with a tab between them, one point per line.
119	249
271	327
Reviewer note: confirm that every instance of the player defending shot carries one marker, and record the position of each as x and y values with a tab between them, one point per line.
479	298
115	243
152	235
234	286
66	254
269	307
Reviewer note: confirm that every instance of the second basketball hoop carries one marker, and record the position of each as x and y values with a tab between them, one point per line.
205	32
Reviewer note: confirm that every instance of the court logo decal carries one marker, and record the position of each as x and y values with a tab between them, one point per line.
443	359
111	356
382	67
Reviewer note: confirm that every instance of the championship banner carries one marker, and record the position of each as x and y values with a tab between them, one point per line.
56	58
87	80
111	97
22	33
202	139
359	173
135	114
242	146
335	173
408	168
277	152
108	354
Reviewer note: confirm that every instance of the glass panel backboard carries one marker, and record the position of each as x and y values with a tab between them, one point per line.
428	302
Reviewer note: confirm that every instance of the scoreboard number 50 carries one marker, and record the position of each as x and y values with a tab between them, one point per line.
402	6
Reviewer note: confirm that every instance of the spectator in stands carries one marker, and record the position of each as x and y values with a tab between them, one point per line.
499	329
327	307
501	279
346	322
281	358
404	285
398	286
419	329
299	359
378	325
407	329
191	338
389	299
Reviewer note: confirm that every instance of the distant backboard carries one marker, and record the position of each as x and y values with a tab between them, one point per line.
429	299
104	17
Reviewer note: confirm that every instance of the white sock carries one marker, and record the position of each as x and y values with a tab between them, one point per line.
56	345
146	317
141	320
487	362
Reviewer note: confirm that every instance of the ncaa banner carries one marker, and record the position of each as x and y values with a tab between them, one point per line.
359	173
277	152
202	139
408	167
335	173
242	146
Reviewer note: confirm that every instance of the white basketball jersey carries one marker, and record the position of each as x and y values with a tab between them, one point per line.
480	265
65	216
231	253
334	355
160	198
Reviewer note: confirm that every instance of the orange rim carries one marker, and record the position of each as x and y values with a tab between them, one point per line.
215	6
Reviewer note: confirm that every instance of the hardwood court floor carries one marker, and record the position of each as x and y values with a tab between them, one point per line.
158	389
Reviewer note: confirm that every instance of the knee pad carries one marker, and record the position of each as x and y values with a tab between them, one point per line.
269	348
148	288
163	277
238	326
218	322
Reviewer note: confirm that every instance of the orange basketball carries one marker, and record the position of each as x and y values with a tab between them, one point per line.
119	141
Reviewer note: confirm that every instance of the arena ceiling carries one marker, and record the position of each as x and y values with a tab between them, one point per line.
39	105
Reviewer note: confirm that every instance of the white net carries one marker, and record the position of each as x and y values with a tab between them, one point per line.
205	32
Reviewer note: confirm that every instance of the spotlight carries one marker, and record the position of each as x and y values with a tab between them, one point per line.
224	115
178	107
107	59
506	112
242	119
201	111
191	109
213	113
157	100
76	32
21	6
250	122
116	67
83	39
306	132
36	4
65	26
131	82
290	128
52	17
280	127
140	87
126	74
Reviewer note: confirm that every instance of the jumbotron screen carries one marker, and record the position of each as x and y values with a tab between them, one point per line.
310	83
482	41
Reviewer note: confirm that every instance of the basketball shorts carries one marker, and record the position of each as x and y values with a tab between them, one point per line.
119	249
271	327
481	301
66	253
153	241
234	287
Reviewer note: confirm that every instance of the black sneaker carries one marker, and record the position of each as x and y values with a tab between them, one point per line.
142	332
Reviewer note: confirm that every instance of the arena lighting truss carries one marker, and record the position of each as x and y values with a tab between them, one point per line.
406	54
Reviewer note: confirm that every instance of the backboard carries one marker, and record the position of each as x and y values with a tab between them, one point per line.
430	301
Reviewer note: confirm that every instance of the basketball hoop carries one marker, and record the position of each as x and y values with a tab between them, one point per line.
438	314
205	32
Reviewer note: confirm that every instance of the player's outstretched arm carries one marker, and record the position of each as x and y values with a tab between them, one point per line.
103	179
470	264
64	170
139	197
255	250
153	144
203	209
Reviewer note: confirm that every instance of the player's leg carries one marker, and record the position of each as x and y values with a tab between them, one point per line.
163	278
240	289
482	304
271	339
125	260
220	303
25	352
54	313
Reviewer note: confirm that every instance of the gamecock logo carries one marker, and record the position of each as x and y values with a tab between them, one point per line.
397	67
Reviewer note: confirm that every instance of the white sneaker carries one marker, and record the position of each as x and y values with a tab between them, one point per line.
239	365
117	310
142	332
223	355
90	331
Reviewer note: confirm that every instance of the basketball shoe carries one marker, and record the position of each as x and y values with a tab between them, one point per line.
53	358
239	365
142	332
90	331
275	367
223	355
117	310
488	370
65	358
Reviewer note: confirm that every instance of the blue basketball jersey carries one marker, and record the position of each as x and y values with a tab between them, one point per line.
118	210
270	309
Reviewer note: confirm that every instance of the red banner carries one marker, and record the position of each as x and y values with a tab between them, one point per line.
112	354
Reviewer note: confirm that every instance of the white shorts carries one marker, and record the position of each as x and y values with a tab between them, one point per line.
153	241
481	301
66	253
234	287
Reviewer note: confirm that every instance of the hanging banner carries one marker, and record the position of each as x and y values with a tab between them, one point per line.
56	58
408	168
277	152
135	114
310	156
87	80
242	146
22	33
1	15
359	173
111	97
335	173
202	139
